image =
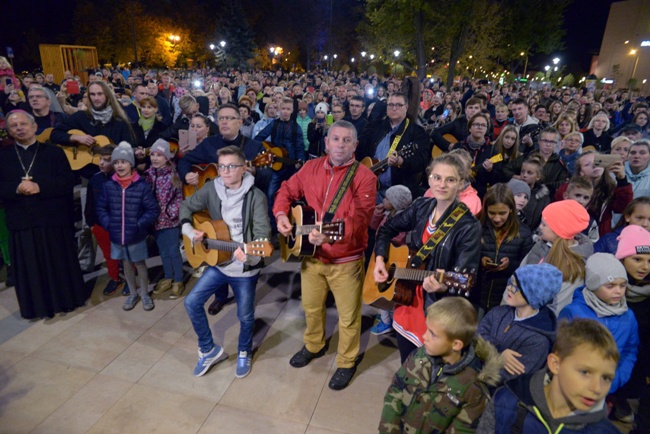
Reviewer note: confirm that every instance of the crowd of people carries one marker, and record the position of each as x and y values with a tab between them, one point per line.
539	198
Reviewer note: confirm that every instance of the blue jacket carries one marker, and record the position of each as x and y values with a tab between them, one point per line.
533	338
608	243
520	407
624	328
286	134
127	213
94	191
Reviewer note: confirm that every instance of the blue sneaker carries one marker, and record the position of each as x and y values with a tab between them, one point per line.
112	286
126	290
206	360
381	328
244	362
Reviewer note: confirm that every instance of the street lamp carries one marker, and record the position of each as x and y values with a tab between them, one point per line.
546	68
636	62
222	43
174	40
363	54
372	56
556	61
396	53
211	46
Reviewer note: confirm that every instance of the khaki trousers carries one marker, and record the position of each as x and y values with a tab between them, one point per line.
346	283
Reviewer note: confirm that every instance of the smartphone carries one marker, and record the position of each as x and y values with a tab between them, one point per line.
491	265
606	161
330	119
8	82
445	114
72	88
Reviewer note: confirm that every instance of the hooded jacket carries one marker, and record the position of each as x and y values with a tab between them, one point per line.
169	198
540	196
640	181
623	327
522	400
427	395
533	337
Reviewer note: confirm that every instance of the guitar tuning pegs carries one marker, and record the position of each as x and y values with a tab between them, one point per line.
467	294
452	290
472	271
456	269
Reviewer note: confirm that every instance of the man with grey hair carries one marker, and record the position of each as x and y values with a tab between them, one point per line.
36	188
188	107
41	101
336	187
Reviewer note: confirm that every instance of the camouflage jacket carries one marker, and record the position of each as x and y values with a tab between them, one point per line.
429	396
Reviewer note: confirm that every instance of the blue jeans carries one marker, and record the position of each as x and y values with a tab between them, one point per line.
277	178
167	240
214	280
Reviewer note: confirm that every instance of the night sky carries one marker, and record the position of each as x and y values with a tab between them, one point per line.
585	26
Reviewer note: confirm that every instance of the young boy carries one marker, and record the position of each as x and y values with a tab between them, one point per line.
101	235
540	196
521	192
603	299
568	395
581	190
523	330
443	386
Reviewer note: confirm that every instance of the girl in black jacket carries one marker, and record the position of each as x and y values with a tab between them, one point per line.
504	243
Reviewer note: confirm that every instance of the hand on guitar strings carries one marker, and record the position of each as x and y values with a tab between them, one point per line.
317	239
84	140
192	178
379	273
191	233
284	225
395	160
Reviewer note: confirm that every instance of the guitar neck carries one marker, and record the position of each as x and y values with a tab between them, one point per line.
306	229
417	274
379	166
224	246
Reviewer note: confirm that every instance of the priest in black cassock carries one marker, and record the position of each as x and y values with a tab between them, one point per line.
36	185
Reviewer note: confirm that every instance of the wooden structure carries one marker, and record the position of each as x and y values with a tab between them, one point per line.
56	59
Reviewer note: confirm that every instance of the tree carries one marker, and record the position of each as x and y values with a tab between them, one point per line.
233	28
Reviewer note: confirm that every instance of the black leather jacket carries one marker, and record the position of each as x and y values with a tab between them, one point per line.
459	248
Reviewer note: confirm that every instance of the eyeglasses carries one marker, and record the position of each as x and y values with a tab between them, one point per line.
511	287
440	179
480	125
227	118
395	105
548	142
229	167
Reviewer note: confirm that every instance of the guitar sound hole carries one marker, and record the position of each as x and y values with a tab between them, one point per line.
384	286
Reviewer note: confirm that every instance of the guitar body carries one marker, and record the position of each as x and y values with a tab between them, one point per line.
82	155
298	245
277	152
368	162
198	254
385	295
45	135
206	173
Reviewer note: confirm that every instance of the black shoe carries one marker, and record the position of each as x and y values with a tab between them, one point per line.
216	307
304	356
342	378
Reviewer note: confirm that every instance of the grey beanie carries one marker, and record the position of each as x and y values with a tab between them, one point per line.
603	268
161	146
517	186
123	151
399	196
539	283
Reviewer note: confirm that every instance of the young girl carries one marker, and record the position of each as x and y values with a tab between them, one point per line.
148	128
563	245
636	213
521	192
457	249
166	185
507	144
540	196
126	208
504	244
466	194
634	252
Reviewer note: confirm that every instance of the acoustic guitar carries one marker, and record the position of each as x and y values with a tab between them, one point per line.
402	280
217	248
210	171
278	156
44	137
303	220
381	166
493	159
436	151
80	155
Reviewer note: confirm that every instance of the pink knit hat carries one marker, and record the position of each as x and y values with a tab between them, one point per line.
634	240
567	218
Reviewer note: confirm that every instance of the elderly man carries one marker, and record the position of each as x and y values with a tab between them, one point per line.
40	104
36	187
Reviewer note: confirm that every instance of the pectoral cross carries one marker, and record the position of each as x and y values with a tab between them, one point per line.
26	178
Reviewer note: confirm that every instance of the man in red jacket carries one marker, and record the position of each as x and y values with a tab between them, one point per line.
336	265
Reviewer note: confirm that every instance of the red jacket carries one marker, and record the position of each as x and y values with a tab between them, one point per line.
317	182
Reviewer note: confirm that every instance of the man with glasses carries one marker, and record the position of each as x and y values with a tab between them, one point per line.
388	138
554	172
40	104
357	117
233	199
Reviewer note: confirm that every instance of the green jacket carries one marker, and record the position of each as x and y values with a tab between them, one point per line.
428	396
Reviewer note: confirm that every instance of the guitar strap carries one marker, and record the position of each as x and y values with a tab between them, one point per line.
329	215
397	138
438	235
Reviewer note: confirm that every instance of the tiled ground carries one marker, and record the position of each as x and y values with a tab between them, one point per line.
100	369
103	370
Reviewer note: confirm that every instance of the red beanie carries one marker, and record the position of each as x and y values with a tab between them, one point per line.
567	218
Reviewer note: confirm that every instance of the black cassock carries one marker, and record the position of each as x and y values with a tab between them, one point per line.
41	226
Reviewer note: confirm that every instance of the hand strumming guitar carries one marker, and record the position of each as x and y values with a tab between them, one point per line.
379	273
192	178
284	225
